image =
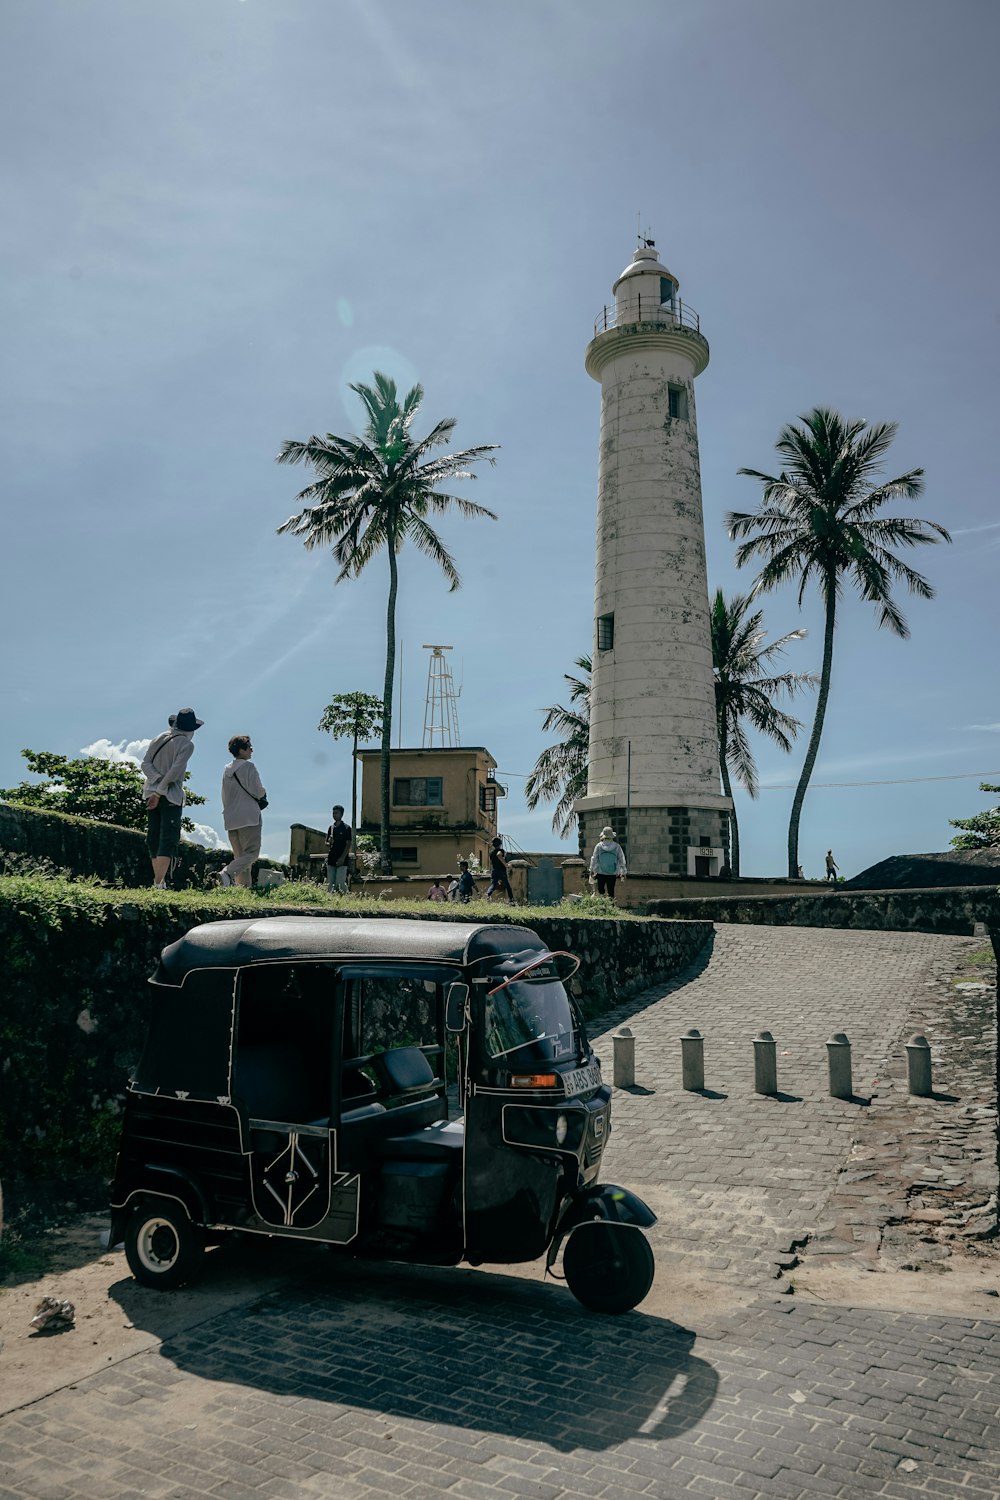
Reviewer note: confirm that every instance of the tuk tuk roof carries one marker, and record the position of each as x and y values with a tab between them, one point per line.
255	940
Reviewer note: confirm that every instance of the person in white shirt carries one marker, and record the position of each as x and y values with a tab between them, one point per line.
163	766
607	863
243	797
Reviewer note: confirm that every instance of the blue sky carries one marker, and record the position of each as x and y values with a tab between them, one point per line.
219	212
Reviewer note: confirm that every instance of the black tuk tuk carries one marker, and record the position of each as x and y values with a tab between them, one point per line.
294	1084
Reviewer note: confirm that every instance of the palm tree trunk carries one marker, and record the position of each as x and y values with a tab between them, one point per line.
734	827
385	858
817	729
354	801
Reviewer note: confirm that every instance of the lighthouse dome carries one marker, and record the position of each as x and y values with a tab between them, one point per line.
645	262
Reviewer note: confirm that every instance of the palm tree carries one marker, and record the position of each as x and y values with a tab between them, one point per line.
376	492
355	716
742	692
561	770
819	520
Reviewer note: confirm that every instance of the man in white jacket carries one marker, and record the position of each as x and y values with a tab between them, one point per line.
243	796
163	766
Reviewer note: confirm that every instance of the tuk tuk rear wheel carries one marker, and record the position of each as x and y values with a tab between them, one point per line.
162	1246
608	1267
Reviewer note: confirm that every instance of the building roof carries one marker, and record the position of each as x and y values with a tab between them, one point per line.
432	750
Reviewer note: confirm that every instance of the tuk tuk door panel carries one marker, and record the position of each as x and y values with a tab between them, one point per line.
510	1195
290	1174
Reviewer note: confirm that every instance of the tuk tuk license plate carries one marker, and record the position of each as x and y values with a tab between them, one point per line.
582	1080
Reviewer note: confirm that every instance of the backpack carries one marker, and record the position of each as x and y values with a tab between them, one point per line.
607	861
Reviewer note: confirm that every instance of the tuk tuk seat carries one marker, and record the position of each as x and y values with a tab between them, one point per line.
404	1070
443	1141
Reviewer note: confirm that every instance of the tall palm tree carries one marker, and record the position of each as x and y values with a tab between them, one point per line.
376	491
744	693
819	519
561	770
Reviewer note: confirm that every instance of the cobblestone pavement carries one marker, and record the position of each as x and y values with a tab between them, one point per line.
370	1381
741	1180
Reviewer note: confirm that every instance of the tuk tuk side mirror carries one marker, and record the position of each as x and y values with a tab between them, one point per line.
456	999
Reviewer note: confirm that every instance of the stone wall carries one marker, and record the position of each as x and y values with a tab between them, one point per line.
76	964
104	851
955	909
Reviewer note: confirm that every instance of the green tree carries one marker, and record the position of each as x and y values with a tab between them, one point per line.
109	791
982	830
560	772
819	521
355	716
377	491
745	695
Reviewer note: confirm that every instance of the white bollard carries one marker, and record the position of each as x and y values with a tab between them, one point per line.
693	1061
623	1066
838	1050
918	1066
765	1064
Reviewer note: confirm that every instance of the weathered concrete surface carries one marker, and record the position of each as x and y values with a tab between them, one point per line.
370	1381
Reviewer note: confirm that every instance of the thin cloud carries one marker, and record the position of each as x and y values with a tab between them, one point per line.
972	530
990	728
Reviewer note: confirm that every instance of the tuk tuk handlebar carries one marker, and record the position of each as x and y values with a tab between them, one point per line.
542	959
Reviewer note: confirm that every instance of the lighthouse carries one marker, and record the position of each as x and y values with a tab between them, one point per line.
653	772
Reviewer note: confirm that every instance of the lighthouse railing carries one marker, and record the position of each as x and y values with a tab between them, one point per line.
639	309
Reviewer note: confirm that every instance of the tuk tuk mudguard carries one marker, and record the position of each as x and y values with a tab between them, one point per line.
161	1182
605	1202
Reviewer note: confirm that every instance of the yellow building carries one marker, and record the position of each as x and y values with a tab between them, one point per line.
442	808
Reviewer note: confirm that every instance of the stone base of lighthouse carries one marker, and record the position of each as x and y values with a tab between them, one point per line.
678	840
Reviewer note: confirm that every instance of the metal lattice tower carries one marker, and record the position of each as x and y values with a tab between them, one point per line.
441	706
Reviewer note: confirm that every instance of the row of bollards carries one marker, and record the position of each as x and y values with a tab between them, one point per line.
765	1063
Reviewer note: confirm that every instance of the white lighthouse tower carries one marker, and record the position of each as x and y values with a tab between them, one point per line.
654	758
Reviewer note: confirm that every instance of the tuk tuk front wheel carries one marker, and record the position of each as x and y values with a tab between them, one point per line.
608	1267
162	1246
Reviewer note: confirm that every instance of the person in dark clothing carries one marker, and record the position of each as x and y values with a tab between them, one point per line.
338	851
499	879
467	887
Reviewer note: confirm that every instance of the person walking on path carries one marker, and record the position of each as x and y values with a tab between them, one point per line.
467	887
338	851
163	767
243	797
437	892
607	863
499	879
831	867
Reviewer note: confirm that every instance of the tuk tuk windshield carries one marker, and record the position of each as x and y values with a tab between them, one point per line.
532	1020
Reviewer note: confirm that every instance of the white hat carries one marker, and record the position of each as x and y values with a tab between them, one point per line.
607	833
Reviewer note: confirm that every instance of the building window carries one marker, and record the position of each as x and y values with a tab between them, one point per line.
605	632
667	289
677	401
417	791
403	856
488	799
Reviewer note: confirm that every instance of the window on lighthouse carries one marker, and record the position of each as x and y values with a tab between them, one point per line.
668	289
676	401
605	632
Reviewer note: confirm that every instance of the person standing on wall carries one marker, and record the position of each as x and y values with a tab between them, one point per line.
163	766
831	867
243	799
499	879
607	863
338	851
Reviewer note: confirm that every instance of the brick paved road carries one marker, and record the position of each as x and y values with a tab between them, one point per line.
367	1381
736	1177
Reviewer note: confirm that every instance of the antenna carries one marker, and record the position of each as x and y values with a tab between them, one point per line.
441	706
638	227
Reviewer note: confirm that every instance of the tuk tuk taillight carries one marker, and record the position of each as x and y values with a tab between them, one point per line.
533	1080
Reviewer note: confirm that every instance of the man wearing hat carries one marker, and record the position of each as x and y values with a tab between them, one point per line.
163	766
607	862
